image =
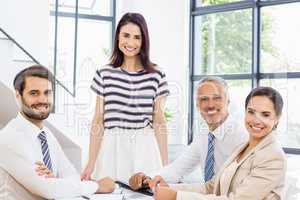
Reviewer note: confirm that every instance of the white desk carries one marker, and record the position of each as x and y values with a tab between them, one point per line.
118	194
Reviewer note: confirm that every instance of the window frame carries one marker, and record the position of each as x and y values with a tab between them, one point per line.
76	15
255	76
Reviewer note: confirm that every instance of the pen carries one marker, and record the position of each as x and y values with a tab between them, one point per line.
85	197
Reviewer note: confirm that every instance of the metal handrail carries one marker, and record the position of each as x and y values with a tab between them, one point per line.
20	47
34	59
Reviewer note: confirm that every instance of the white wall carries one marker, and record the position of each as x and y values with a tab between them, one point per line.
27	22
6	52
168	24
9	68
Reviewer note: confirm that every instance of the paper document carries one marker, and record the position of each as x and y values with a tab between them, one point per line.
98	197
137	196
106	197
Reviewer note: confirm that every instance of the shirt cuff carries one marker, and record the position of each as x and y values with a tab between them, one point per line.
88	187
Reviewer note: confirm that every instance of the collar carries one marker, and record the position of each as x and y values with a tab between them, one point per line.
28	126
270	138
222	130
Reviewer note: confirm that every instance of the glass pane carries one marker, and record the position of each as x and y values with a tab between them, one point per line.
238	90
280	38
65	51
67	6
223	43
289	126
52	4
91	7
213	2
95	7
2	36
93	51
51	42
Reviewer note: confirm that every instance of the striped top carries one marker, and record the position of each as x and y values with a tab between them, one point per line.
128	96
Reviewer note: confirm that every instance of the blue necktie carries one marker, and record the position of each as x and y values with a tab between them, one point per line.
209	170
45	150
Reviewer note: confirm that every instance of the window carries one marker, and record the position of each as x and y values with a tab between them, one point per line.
289	126
223	43
212	2
80	32
281	53
65	52
249	43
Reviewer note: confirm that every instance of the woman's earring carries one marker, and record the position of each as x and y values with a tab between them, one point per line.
275	127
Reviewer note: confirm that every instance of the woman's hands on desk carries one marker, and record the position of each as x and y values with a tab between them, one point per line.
157	184
157	181
140	180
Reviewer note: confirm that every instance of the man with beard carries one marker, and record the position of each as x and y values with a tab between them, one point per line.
28	150
212	145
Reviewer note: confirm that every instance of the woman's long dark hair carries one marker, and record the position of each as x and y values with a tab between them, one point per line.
117	57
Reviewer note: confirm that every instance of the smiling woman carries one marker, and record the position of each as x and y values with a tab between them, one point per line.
128	132
248	173
263	111
130	40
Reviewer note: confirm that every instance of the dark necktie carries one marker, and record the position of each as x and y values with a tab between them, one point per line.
45	150
209	169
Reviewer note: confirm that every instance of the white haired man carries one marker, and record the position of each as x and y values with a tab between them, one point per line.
211	147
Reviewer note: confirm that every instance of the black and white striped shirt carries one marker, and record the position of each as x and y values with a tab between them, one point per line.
128	96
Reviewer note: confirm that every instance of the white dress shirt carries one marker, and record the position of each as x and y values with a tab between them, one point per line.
20	148
228	136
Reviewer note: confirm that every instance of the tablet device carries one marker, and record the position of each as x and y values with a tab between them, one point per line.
145	191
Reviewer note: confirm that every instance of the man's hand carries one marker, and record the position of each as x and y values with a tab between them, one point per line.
157	180
139	180
106	185
42	170
164	193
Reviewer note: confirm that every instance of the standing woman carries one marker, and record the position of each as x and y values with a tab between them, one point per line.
128	132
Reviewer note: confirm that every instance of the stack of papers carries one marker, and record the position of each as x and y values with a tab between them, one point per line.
106	197
137	196
98	197
118	194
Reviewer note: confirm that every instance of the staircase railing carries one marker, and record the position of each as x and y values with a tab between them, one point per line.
33	58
